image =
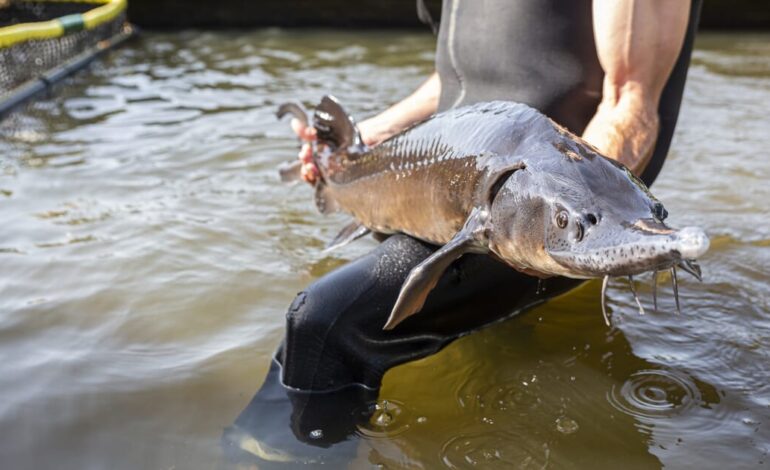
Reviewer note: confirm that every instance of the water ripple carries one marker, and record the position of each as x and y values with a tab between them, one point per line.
520	395
493	450
386	418
656	393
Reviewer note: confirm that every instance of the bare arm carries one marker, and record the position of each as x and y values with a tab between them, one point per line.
415	107
638	42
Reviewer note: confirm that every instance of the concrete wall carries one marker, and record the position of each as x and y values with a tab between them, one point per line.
717	14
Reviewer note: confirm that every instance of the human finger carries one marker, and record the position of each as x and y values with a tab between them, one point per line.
306	153
298	127
309	173
303	132
309	133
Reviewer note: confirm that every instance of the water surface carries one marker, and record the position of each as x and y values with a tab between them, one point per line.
148	254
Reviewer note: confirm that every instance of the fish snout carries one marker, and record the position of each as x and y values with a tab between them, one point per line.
636	248
692	242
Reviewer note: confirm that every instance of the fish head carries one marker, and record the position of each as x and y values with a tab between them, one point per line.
586	218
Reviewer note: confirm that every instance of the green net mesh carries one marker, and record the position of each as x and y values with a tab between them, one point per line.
30	60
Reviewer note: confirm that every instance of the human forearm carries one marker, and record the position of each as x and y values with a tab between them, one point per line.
415	107
626	129
638	43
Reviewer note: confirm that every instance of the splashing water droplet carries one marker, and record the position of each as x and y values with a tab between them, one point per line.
384	418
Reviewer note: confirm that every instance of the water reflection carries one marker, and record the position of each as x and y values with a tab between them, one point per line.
286	426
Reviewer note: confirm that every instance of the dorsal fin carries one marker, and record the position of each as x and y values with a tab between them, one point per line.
335	127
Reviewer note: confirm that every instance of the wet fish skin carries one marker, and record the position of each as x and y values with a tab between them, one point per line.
425	181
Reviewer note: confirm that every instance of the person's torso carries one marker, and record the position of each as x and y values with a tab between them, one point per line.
538	52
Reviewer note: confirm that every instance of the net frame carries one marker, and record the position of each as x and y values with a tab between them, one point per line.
35	55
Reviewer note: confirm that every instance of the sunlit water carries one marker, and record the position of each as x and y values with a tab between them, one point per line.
148	254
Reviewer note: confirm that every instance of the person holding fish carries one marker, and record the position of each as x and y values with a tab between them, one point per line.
635	44
610	71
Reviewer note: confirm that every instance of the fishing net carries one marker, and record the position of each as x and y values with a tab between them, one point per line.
43	41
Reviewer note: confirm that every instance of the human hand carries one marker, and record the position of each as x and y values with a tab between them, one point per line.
308	171
371	135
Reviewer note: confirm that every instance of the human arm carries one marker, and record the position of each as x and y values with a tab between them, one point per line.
415	107
638	43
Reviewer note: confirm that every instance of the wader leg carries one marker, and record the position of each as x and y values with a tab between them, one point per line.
326	372
334	334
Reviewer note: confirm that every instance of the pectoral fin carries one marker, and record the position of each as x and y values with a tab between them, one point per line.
424	277
349	233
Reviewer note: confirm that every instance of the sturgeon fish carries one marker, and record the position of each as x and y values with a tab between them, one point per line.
498	178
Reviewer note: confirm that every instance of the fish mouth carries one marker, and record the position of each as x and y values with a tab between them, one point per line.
642	252
657	250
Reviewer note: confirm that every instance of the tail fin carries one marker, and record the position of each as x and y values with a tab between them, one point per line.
335	127
291	172
293	108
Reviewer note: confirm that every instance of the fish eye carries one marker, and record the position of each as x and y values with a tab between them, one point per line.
562	219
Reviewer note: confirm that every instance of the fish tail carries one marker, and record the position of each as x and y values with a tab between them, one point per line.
335	127
291	172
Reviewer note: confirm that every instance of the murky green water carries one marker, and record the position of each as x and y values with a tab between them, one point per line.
148	254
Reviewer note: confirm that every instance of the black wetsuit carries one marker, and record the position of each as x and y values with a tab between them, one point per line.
539	52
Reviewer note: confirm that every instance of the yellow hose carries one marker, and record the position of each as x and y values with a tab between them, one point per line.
51	29
103	14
